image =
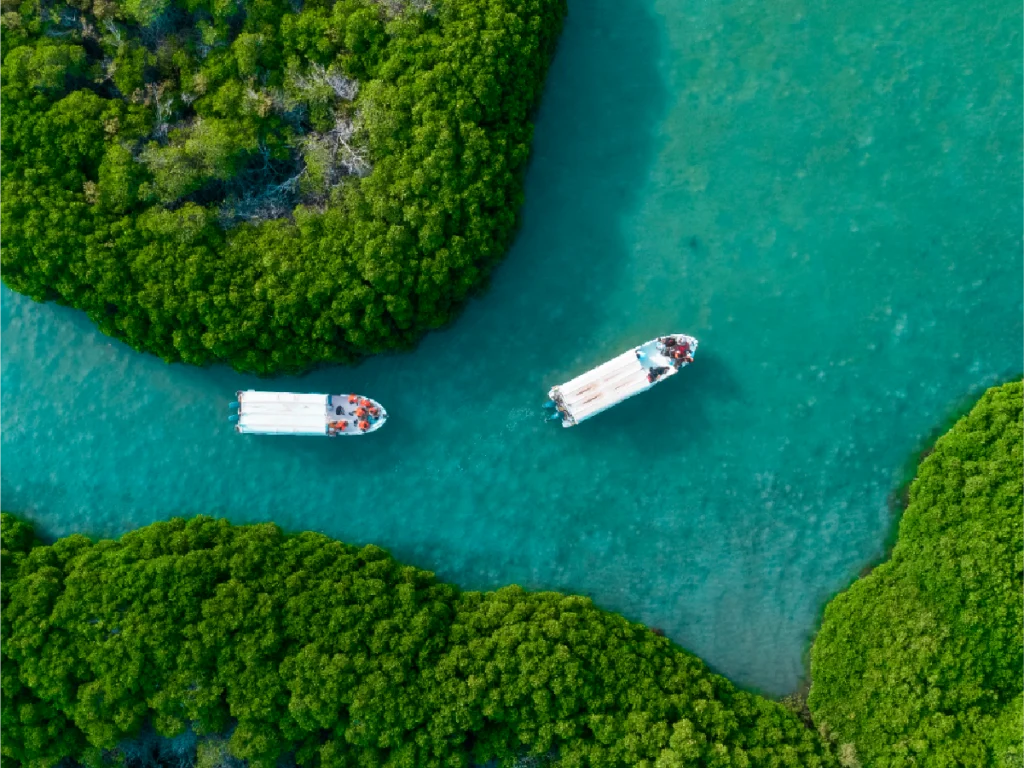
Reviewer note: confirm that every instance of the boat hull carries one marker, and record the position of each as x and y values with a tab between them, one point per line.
624	376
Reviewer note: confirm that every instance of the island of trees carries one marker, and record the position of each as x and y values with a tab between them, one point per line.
341	656
920	662
269	183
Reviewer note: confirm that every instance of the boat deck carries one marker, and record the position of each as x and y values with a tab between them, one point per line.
340	410
604	386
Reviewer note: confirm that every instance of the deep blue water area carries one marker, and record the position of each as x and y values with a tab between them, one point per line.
828	195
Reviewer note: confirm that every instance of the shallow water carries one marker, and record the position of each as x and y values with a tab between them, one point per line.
828	195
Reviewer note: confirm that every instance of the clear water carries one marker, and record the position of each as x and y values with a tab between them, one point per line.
828	195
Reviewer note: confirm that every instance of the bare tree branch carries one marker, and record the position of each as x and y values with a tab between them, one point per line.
344	88
113	29
395	8
154	95
336	154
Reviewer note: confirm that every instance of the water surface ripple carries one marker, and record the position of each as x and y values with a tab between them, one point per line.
827	194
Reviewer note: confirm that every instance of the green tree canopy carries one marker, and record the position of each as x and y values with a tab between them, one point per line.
920	663
341	656
356	166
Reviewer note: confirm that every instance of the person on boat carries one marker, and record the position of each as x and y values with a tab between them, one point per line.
655	373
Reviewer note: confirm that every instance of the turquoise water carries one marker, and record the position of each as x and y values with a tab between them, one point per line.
828	195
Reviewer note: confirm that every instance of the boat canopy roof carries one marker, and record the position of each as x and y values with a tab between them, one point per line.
253	397
604	386
282	413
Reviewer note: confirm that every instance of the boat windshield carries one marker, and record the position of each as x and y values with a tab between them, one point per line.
652	355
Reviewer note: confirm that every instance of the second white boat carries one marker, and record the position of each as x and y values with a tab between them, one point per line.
631	373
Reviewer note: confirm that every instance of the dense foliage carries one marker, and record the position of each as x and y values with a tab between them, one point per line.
271	183
345	657
921	662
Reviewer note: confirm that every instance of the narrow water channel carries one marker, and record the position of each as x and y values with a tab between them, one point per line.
828	195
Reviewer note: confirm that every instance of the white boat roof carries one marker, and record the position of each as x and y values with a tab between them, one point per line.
604	386
282	413
252	397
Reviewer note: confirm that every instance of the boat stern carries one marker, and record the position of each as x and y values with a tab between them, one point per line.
562	412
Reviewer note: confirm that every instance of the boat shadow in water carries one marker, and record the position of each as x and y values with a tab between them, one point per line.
678	415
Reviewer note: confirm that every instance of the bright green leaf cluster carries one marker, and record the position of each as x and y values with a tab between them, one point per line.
341	656
331	178
920	663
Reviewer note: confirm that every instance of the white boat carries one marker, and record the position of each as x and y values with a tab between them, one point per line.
287	413
631	373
